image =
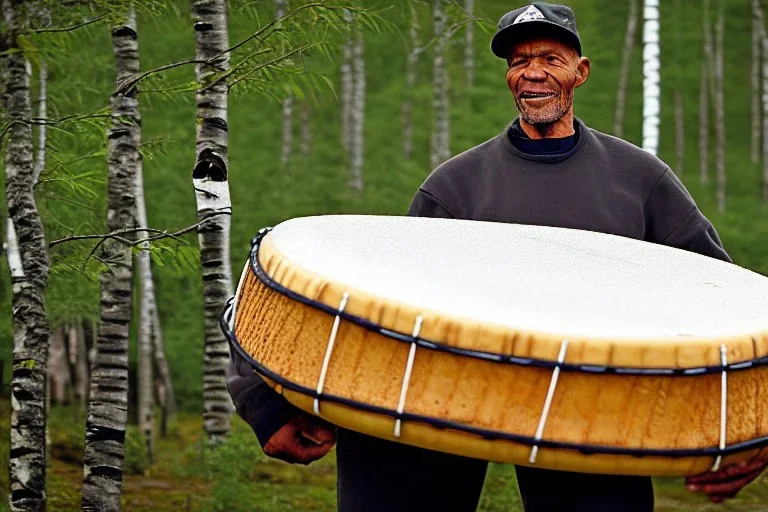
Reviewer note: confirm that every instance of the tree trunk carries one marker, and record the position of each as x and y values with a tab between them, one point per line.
720	109
651	78
705	91
755	81
280	10
42	114
79	354
108	399
469	44
679	133
347	89
441	137
306	129
764	99
146	408
166	397
59	376
30	324
213	203
358	112
629	46
410	81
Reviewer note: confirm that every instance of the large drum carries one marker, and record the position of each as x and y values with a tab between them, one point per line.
547	347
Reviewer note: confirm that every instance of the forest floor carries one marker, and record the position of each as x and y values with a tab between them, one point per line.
236	476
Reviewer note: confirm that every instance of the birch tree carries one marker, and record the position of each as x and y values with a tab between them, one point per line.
679	106
720	108
108	398
164	386
755	110
29	278
347	87
410	79
706	90
357	148
78	354
629	45
441	135
147	306
288	103
651	76
209	178
469	44
764	99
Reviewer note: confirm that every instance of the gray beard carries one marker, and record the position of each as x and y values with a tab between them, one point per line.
552	113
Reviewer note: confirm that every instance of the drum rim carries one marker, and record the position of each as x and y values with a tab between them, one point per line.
226	317
263	277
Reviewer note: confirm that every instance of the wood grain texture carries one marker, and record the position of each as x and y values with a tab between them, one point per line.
647	412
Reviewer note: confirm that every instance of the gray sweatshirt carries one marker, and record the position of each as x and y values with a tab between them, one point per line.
601	183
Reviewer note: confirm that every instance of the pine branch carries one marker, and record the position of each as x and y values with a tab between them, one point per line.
128	85
69	29
117	235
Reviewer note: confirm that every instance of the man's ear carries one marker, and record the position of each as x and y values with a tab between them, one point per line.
582	71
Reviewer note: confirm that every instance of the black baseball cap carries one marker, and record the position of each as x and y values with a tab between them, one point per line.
536	20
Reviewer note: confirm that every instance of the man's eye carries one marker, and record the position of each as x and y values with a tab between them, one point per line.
552	58
517	62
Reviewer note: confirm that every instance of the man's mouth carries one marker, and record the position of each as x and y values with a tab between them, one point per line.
530	95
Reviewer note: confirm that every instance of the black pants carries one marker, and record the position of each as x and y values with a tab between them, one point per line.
381	476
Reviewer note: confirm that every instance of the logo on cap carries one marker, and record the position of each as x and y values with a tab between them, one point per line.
530	14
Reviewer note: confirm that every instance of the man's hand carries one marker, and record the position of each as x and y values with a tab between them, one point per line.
728	481
302	440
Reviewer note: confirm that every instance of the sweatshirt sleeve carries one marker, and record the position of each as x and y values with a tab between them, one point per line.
258	404
672	218
425	204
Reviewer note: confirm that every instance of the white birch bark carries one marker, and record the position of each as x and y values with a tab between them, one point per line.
42	115
105	426
705	92
469	44
410	80
165	395
651	76
763	36
213	203
146	402
720	110
288	103
27	471
629	45
347	89
358	113
441	135
755	109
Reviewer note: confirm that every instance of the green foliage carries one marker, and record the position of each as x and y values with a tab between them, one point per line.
137	459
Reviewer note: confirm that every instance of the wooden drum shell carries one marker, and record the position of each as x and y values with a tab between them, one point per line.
589	411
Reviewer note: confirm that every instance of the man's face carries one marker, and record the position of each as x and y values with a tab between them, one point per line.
542	76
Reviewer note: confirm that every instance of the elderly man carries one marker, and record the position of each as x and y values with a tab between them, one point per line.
545	168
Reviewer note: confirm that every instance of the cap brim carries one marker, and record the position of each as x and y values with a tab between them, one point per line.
508	36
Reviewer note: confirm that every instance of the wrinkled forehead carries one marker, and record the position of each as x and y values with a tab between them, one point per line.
541	45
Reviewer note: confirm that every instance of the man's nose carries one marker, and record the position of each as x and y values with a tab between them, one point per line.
535	71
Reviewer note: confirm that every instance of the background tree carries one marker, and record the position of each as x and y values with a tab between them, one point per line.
720	108
280	10
210	180
441	102
104	453
30	323
706	92
469	45
754	81
357	148
411	62
629	45
652	76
